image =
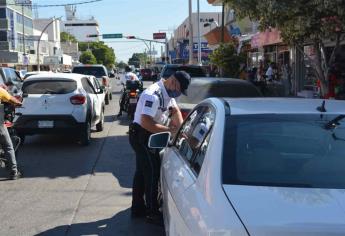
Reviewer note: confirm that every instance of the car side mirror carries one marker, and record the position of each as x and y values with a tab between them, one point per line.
159	140
101	89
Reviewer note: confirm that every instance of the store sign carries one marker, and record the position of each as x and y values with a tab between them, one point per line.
269	37
159	35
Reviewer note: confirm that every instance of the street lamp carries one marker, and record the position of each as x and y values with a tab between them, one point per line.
39	41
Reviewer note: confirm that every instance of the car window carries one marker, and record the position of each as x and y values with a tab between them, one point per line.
191	141
285	150
90	70
49	87
8	74
87	86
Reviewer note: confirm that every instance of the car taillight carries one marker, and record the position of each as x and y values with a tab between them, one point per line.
104	81
184	114
78	100
133	94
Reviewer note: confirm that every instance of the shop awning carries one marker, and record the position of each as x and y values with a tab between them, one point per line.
214	37
269	37
215	2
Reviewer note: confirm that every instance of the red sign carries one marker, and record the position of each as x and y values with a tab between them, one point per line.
269	37
159	35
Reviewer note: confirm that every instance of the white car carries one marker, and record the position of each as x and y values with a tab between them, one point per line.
61	103
260	167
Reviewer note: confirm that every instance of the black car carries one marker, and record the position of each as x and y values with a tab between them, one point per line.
202	88
192	70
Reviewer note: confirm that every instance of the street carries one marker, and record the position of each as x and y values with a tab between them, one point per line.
68	189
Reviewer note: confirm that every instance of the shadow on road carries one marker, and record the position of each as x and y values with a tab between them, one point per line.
120	224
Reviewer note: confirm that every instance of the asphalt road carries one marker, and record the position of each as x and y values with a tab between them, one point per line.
69	190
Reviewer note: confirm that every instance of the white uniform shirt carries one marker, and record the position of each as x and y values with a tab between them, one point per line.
154	101
129	76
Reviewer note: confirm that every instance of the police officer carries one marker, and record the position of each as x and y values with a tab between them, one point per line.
154	103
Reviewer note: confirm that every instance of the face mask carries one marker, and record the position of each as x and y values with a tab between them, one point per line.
173	94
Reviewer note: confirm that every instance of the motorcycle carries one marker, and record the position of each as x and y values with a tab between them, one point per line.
9	113
132	91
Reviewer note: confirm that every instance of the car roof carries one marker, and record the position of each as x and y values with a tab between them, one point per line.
181	65
216	80
89	65
43	76
249	106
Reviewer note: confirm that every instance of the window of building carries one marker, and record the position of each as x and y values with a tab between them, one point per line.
3	35
2	13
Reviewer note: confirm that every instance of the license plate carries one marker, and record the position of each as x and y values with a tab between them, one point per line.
133	100
45	124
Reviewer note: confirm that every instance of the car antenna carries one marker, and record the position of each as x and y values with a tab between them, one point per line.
322	108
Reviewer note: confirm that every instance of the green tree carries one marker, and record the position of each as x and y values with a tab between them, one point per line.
227	59
87	57
138	59
301	22
121	65
66	37
104	54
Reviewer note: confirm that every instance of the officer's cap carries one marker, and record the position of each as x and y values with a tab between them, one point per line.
184	80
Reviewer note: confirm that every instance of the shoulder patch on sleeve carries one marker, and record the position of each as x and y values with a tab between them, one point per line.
148	104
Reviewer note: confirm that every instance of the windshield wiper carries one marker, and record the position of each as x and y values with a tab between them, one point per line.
334	123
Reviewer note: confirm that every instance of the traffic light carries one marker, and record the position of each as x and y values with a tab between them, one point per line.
92	35
130	37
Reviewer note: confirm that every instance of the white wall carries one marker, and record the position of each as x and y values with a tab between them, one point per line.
81	32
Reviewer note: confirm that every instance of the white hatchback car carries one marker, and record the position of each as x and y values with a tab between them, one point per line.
256	167
61	103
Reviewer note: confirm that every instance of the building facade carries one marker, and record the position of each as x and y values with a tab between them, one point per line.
16	29
79	28
179	44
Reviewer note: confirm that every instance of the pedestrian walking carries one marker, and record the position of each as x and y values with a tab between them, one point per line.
149	119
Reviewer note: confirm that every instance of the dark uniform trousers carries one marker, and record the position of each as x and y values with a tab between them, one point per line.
147	171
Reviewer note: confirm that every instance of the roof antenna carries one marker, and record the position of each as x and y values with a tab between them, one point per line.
322	108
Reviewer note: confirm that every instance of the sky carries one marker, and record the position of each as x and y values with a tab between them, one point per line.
140	18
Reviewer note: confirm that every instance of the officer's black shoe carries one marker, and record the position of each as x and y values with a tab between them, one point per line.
138	213
15	174
155	218
119	115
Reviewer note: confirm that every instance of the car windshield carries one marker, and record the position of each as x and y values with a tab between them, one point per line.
192	71
200	91
49	87
90	70
285	150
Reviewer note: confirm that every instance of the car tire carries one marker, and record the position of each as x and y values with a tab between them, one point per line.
100	124
85	134
107	99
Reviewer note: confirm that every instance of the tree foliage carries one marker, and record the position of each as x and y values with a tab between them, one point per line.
87	57
121	65
66	37
227	59
301	22
103	53
138	59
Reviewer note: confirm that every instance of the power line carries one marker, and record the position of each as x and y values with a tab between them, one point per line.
54	5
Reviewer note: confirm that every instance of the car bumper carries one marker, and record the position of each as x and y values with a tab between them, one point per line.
29	124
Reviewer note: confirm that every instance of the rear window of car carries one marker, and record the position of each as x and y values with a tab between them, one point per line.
192	71
49	87
90	70
285	151
198	92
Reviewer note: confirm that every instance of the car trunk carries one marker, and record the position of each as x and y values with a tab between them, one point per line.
289	211
48	97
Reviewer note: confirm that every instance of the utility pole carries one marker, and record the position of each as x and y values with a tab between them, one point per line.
190	33
199	35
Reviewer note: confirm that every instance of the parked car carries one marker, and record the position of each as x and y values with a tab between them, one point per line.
192	70
202	88
101	73
11	79
269	166
60	103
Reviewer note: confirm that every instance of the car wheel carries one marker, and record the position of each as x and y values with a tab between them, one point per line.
100	125
85	134
107	99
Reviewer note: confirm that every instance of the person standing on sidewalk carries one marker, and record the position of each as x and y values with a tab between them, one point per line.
149	119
